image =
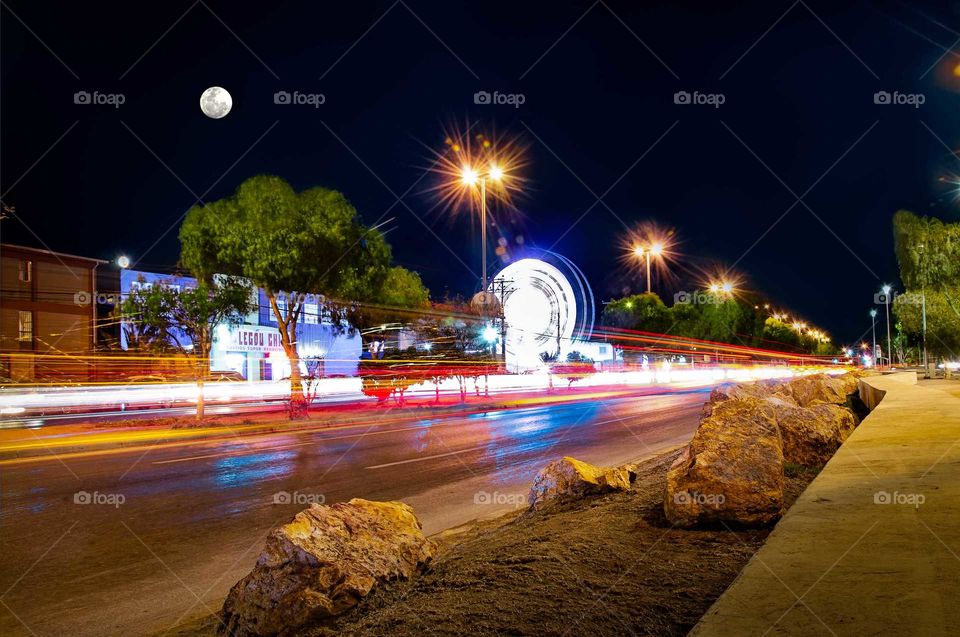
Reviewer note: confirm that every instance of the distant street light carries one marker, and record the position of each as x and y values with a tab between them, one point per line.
886	301
873	330
123	261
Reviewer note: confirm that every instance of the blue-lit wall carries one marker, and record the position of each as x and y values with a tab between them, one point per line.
129	279
339	348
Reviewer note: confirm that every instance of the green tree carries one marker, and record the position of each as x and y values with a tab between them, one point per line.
928	252
943	319
645	312
185	319
777	332
292	245
710	316
402	297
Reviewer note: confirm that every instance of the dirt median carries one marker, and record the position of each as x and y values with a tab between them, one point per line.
607	565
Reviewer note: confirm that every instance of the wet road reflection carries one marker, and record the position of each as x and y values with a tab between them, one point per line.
193	518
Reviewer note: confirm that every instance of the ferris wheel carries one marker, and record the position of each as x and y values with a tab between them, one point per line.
547	305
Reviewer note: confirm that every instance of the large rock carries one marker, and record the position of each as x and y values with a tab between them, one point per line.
736	391
570	478
732	470
816	389
812	435
850	381
322	563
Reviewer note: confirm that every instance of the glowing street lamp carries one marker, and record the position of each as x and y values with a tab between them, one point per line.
655	249
469	176
873	330
724	287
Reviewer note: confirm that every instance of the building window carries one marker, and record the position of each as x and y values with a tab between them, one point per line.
136	286
26	271
25	332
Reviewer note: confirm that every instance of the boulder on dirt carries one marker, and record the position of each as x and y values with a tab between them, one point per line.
812	435
732	470
569	478
322	564
815	389
851	381
736	391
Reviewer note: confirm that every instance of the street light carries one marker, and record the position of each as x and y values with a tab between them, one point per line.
886	301
655	249
873	330
469	177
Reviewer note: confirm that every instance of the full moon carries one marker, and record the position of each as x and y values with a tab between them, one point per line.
216	102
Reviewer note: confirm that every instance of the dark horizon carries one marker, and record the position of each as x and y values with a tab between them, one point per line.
798	122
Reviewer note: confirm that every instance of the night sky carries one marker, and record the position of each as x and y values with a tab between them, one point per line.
599	119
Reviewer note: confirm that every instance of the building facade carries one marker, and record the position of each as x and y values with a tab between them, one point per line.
253	348
48	316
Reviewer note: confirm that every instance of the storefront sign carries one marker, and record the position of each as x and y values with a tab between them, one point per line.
255	339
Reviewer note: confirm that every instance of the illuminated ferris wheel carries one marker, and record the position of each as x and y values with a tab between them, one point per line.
547	305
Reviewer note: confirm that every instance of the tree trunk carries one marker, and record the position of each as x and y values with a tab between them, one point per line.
298	402
202	364
200	397
287	325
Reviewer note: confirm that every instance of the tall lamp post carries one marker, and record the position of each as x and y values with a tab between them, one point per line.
886	301
873	329
470	177
655	249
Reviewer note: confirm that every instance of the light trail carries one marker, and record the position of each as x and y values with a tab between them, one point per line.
19	406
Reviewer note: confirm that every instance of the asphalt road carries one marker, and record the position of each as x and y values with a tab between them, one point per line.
169	531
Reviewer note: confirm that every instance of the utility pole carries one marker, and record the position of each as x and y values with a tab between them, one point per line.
502	283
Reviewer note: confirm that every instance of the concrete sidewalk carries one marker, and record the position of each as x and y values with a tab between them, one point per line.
872	547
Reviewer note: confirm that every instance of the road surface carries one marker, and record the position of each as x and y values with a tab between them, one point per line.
158	537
